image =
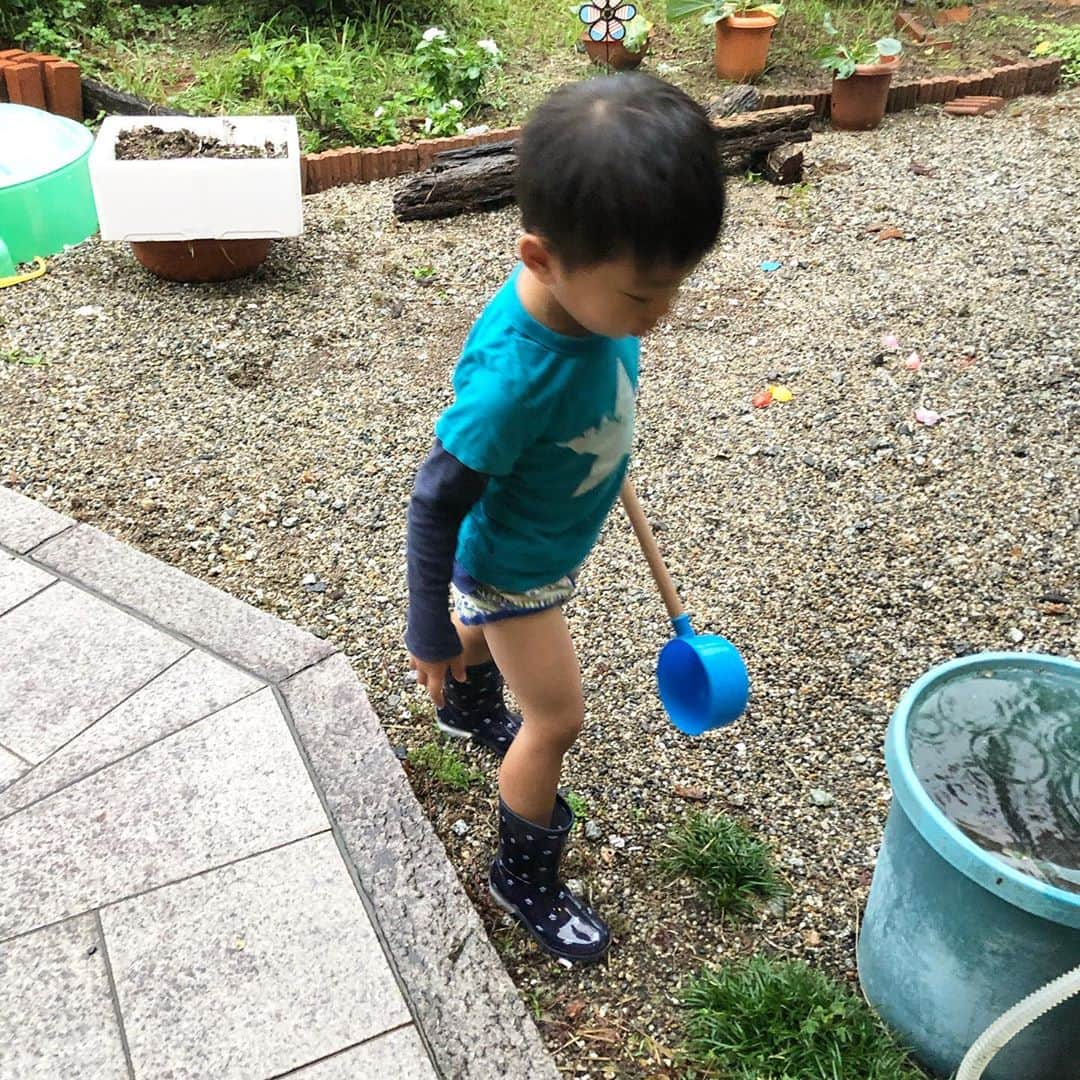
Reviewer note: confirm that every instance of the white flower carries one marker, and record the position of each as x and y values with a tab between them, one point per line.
380	112
455	104
488	46
434	33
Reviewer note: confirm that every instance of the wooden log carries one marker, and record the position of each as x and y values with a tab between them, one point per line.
477	178
784	165
99	98
482	177
739	99
759	132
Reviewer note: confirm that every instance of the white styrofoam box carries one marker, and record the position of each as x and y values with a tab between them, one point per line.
199	198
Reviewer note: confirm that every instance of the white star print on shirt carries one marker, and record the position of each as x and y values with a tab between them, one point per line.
611	441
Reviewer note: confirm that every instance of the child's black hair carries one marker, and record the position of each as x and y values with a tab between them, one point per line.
621	166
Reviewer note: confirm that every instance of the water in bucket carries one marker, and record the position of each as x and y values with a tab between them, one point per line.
998	750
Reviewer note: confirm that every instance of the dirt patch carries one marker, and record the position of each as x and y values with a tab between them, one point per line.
151	143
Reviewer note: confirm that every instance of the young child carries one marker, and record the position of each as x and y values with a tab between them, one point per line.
621	196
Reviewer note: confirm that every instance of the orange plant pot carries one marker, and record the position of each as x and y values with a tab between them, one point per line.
946	16
613	54
858	103
742	46
200	260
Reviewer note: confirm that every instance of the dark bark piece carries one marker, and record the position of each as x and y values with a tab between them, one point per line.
459	182
784	165
739	99
762	131
99	98
482	177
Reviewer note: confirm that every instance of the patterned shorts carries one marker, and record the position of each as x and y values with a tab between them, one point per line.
477	603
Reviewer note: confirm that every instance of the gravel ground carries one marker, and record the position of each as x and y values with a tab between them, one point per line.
263	435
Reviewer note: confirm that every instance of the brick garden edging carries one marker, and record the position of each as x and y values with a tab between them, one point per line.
47	82
358	165
1009	81
354	165
42	81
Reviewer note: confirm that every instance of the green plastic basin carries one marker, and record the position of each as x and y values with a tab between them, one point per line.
46	202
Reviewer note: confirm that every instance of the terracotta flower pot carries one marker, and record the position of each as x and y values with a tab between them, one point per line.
858	103
614	54
961	14
742	46
201	260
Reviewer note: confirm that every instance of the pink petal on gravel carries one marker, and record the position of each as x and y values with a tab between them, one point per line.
927	416
890	342
913	362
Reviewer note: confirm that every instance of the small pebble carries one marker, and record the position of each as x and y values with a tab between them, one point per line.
820	797
593	831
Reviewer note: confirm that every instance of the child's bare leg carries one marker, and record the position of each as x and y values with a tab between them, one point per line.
473	643
537	657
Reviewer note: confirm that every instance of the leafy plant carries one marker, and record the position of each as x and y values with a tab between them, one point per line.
841	57
454	72
761	1018
445	765
714	11
638	30
1063	41
733	870
445	119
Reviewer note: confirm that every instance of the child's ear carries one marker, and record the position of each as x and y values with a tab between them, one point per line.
537	257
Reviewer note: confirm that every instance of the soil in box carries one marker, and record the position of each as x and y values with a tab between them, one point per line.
151	143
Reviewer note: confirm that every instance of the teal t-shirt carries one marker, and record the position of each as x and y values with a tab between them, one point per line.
550	419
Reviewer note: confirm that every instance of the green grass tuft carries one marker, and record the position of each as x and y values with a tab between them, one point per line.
762	1019
733	870
444	764
578	805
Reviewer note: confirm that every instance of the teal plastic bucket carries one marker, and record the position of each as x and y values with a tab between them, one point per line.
46	201
954	935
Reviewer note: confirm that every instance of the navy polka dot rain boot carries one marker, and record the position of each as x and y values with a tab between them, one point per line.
525	882
475	709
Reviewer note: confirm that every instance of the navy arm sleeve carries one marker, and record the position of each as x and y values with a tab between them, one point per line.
444	492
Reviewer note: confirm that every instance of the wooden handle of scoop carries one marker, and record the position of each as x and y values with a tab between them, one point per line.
645	538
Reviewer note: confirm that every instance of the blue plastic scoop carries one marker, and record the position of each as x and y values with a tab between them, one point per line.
702	678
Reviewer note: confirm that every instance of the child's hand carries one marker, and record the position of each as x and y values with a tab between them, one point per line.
431	674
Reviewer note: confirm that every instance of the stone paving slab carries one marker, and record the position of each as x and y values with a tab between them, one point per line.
201	800
431	928
19	580
11	767
56	1009
252	638
65	659
224	788
249	946
24	523
194	687
398	1055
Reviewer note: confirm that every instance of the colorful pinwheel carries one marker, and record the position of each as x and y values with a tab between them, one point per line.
606	22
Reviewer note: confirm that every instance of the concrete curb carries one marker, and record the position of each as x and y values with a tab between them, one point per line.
465	1005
